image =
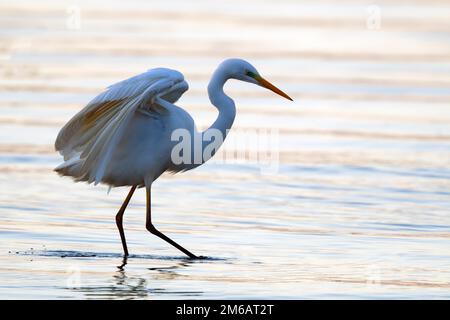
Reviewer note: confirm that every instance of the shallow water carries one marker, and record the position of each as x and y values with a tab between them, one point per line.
357	206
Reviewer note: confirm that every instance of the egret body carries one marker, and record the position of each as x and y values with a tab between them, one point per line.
123	137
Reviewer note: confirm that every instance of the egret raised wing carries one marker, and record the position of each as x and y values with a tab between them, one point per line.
90	137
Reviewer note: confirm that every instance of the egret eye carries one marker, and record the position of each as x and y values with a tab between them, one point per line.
250	74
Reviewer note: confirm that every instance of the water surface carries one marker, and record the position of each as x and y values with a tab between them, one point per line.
357	208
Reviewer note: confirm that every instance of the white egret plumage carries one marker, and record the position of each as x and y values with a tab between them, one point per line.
123	136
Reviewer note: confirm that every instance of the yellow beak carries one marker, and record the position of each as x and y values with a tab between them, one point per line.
266	84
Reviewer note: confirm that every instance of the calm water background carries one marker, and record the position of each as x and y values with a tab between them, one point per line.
359	206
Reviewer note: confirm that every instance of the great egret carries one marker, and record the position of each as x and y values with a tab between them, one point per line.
123	137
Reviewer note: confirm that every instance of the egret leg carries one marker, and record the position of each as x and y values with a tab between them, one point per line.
154	231
119	219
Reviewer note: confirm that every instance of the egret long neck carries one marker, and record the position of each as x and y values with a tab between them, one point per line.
225	105
213	137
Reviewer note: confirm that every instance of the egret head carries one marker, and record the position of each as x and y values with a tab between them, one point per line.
242	70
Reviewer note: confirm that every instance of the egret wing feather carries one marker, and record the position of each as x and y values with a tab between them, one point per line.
89	139
99	152
73	134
